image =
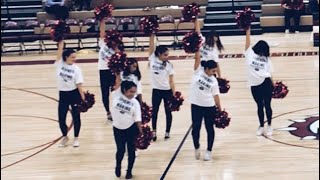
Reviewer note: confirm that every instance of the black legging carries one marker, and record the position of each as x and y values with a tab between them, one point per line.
262	94
295	14
83	3
157	97
60	12
123	137
67	98
198	114
107	80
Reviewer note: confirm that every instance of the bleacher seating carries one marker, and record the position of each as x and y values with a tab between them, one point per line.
220	16
19	11
127	4
82	15
83	34
272	19
215	14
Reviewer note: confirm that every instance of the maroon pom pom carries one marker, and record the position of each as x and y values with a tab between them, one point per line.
280	91
192	42
149	25
223	85
222	119
59	30
174	103
103	11
117	62
128	63
87	104
143	140
113	38
146	112
244	18
191	12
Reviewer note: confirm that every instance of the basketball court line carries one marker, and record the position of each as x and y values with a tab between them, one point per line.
148	84
32	148
173	58
172	159
284	143
49	144
175	154
188	132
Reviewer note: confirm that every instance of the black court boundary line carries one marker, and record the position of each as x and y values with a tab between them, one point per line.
188	132
175	154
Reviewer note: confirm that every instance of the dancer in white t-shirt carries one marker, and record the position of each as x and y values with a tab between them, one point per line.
126	113
70	80
132	73
260	70
211	47
107	78
205	102
162	80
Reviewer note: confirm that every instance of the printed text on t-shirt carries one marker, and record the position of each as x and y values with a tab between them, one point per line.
66	74
204	83
124	106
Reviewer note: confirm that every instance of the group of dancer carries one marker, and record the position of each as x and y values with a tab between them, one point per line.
125	87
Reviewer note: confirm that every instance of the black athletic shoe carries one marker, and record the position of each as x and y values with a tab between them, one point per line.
109	117
154	139
129	175
118	172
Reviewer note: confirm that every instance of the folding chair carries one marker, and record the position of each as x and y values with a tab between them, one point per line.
31	42
89	39
128	28
167	31
11	43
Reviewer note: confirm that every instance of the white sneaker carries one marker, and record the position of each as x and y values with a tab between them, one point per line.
287	31
260	131
197	154
269	131
76	142
167	136
64	141
208	156
297	32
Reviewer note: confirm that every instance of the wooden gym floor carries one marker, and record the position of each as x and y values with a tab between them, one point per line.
29	128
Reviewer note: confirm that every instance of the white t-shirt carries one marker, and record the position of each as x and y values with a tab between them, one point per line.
209	53
203	89
125	112
68	76
105	54
160	73
134	79
259	68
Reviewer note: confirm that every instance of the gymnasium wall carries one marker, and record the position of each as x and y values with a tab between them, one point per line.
145	3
